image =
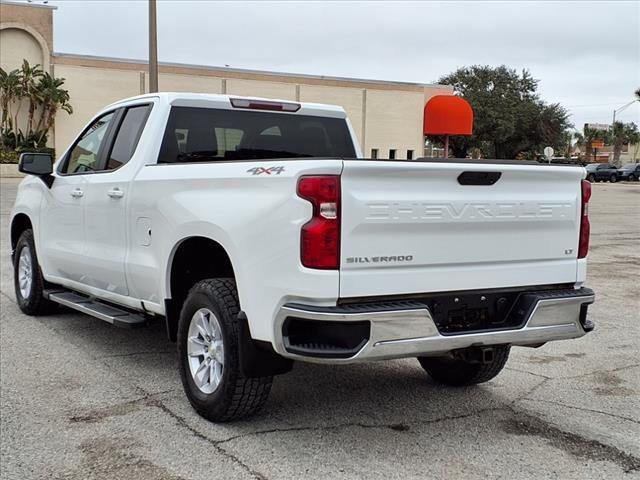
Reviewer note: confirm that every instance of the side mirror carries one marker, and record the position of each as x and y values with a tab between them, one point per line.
38	164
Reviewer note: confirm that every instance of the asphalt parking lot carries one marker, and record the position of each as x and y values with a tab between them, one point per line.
83	400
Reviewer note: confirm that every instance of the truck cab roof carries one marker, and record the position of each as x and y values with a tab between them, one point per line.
223	101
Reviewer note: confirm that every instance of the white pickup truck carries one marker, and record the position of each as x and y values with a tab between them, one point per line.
256	232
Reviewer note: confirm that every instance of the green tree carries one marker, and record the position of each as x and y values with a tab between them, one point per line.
52	97
30	79
10	88
510	119
45	97
589	136
571	139
621	134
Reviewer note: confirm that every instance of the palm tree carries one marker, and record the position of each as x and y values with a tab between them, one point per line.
30	76
43	92
10	84
53	98
621	134
589	135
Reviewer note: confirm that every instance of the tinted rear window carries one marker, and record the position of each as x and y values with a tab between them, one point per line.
205	134
128	136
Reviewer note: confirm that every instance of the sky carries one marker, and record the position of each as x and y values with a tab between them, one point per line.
586	55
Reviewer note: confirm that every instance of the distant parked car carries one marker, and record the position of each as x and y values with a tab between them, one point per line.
602	172
629	172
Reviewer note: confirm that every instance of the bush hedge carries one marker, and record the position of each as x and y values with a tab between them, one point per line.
9	156
13	156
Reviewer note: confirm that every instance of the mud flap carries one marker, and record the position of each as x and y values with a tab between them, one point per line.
257	359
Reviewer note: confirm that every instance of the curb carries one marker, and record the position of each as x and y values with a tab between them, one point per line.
10	170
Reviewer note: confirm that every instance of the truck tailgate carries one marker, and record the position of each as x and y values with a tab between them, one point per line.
412	227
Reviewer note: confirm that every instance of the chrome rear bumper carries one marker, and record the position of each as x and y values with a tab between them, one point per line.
407	329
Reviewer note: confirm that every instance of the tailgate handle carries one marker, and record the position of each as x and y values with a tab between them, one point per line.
479	178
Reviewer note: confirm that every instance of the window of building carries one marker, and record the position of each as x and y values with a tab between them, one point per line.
409	154
392	154
374	153
128	136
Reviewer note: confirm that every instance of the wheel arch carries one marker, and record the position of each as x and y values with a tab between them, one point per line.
185	268
192	259
19	223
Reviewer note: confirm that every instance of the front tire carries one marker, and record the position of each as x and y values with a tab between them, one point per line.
613	178
208	349
591	177
28	281
632	178
456	371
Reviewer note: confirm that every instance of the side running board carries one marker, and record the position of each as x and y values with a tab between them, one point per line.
108	313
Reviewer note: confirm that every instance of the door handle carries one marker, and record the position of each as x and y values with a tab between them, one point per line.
115	193
77	193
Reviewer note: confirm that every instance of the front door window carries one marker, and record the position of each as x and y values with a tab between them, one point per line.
84	155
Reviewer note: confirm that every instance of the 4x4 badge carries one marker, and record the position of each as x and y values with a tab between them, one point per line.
267	170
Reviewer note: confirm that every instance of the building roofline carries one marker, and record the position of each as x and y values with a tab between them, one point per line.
26	4
245	71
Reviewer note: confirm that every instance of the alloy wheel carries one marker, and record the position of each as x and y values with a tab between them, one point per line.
25	272
205	350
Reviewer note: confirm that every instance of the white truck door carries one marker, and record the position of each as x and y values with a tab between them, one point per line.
106	204
62	236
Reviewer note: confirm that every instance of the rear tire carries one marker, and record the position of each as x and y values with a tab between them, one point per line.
458	372
28	281
208	349
632	178
591	177
613	178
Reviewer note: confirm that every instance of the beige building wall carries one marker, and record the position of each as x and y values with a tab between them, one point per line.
170	82
91	89
17	45
393	121
35	18
260	88
349	98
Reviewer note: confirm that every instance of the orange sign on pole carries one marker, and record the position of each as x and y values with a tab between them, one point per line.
597	144
447	115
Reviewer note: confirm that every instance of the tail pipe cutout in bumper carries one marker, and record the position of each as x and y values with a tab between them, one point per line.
412	328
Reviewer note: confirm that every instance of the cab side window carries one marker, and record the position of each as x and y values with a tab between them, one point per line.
84	155
128	135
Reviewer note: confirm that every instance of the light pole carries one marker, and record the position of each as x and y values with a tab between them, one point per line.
153	48
618	110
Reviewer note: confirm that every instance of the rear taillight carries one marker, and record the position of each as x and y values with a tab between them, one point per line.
585	227
320	236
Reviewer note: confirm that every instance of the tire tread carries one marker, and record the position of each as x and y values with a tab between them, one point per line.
247	395
36	304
